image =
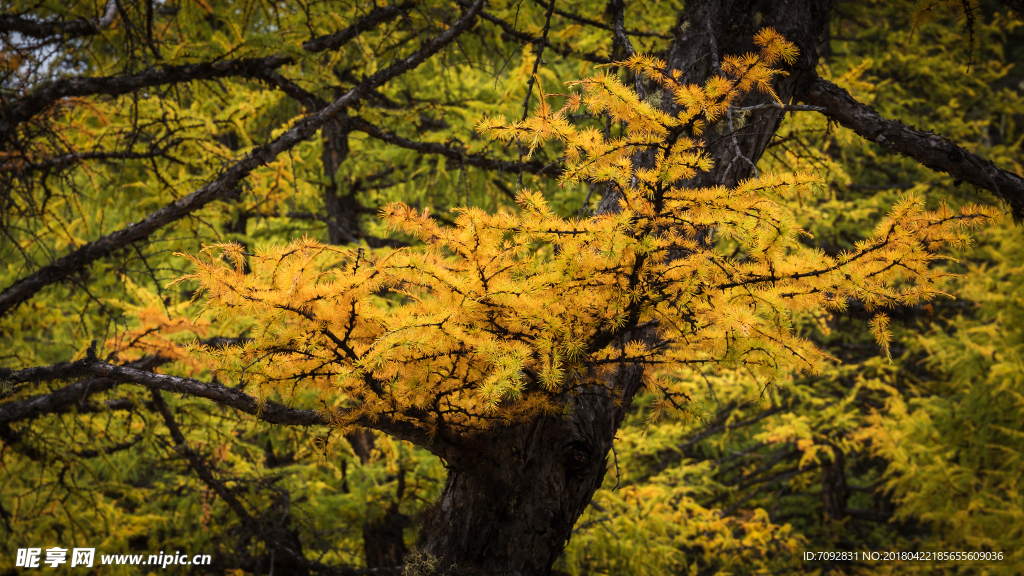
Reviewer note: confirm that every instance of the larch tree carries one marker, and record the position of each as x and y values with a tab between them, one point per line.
167	167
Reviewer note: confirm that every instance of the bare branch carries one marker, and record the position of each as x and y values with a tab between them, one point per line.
559	49
20	167
63	399
362	24
601	25
28	106
267	411
928	148
76	395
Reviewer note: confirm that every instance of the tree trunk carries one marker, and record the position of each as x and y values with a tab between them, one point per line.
509	505
712	29
512	498
384	542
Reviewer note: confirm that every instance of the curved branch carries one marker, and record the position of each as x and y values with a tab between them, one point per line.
229	179
312	103
28	106
272	537
47	28
267	411
930	149
601	25
20	166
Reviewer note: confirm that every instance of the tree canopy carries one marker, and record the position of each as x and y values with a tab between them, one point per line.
490	288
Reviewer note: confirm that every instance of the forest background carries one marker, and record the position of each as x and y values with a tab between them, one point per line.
919	447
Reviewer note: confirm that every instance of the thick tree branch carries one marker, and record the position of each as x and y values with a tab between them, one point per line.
538	50
63	399
227	182
76	395
267	411
928	148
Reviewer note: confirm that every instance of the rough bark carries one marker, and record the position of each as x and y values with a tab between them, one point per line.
712	29
509	504
342	205
384	541
383	534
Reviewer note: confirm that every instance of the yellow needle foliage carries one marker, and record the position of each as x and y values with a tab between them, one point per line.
505	316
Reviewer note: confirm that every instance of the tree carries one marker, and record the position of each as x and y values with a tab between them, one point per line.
652	236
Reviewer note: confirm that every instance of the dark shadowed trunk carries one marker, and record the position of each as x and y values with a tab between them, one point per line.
834	491
509	505
512	498
341	204
384	541
384	531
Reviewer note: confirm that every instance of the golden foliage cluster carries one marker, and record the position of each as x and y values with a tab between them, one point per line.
504	316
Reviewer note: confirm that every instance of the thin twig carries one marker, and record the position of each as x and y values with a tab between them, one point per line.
538	49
